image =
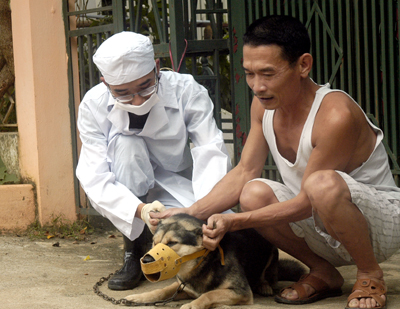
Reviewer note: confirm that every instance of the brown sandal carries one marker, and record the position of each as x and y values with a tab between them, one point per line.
322	291
368	288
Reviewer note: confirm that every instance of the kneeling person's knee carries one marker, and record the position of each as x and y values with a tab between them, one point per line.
256	194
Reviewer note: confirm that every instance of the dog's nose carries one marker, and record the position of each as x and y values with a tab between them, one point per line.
147	259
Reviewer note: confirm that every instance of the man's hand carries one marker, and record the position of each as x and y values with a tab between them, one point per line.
154	207
215	229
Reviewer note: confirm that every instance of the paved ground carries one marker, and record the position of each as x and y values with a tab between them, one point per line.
36	274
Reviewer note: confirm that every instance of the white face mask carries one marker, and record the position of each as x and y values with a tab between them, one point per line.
139	109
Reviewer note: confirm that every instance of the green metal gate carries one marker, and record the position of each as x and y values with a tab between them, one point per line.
355	44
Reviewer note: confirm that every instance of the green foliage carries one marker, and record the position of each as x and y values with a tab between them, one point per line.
6	178
60	228
148	21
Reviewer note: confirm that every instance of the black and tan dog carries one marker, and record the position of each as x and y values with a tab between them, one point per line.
250	264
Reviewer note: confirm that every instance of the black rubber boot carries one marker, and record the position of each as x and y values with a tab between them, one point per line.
129	275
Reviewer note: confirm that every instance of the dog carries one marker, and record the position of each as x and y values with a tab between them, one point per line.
251	264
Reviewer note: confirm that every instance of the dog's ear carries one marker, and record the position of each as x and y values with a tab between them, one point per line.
199	231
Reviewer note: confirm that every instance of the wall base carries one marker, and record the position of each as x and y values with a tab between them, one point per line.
17	207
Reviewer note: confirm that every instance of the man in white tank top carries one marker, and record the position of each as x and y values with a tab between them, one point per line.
338	205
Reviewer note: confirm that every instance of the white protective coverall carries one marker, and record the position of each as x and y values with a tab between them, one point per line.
157	158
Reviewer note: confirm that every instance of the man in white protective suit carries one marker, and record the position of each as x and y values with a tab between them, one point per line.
135	127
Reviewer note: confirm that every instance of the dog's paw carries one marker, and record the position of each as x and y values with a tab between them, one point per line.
156	206
264	289
139	298
191	306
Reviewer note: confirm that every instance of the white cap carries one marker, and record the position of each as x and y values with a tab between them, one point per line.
125	57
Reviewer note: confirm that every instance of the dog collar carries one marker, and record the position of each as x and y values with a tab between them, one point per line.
221	253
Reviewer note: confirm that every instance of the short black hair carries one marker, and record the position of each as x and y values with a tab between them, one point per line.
285	31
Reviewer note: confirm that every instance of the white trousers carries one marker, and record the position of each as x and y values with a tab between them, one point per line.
133	168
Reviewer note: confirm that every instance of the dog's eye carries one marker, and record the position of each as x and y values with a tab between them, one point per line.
171	243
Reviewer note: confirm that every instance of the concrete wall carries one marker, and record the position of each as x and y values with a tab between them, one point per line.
45	146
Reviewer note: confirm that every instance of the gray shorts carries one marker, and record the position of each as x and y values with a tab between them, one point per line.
382	214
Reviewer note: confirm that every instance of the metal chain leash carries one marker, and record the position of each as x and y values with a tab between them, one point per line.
125	302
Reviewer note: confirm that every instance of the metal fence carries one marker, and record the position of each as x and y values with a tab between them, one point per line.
8	116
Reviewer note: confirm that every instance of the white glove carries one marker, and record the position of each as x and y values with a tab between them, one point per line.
156	206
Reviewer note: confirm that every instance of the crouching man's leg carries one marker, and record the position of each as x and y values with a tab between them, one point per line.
347	227
361	225
132	167
324	280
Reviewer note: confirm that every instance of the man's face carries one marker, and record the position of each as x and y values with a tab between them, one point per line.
134	87
273	81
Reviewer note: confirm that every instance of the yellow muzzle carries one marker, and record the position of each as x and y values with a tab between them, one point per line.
166	262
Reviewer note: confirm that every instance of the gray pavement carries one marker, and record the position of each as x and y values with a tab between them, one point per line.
36	274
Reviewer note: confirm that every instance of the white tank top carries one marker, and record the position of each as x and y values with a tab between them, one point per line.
375	171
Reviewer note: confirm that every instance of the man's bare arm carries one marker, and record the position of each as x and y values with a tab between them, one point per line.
226	193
